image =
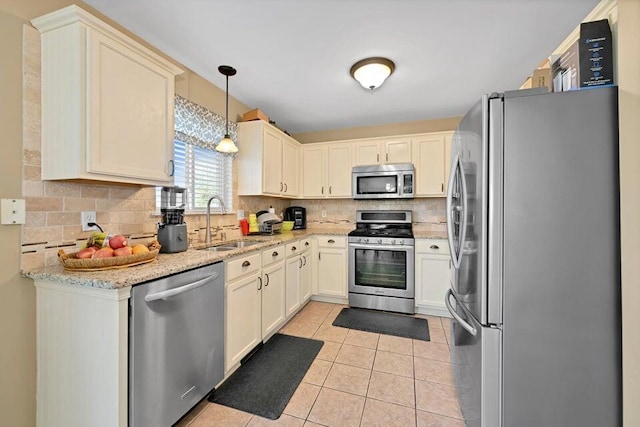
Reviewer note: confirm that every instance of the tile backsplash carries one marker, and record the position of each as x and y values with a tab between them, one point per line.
54	207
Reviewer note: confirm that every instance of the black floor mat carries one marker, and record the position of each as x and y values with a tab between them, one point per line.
383	323
264	384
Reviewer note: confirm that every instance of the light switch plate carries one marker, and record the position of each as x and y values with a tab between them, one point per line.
240	213
12	211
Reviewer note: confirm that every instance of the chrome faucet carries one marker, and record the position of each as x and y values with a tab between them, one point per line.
207	238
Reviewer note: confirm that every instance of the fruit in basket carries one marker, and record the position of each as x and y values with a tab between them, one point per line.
86	252
105	252
123	251
96	239
139	249
117	241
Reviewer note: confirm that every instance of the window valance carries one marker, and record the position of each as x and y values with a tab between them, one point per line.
194	124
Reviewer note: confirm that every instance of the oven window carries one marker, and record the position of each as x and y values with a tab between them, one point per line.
386	184
381	268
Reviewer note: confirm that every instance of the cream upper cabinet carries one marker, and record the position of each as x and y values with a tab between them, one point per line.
268	161
314	170
327	170
107	103
290	167
431	159
382	151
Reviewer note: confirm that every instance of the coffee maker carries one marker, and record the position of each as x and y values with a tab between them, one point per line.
298	215
172	231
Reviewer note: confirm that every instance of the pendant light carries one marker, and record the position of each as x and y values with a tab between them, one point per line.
226	144
372	72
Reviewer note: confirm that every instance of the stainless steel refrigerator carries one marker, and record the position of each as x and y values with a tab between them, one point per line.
533	228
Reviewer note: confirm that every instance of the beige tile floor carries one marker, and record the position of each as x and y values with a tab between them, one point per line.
359	379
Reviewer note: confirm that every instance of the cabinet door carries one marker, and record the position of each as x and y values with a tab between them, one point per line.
367	153
432	282
397	151
130	130
243	319
332	272
428	158
305	278
271	162
290	168
339	170
447	159
313	170
273	298
294	265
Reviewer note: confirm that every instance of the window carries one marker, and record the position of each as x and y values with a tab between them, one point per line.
198	167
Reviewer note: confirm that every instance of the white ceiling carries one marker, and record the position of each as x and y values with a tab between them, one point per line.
293	56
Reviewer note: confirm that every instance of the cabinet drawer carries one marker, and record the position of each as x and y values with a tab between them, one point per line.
243	266
273	255
305	244
293	248
432	246
332	242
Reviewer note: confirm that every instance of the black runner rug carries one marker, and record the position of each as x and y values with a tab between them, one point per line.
383	323
264	384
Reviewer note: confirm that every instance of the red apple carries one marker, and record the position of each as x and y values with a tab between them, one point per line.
123	251
86	252
117	241
103	253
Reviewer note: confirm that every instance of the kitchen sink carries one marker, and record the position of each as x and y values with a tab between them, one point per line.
229	246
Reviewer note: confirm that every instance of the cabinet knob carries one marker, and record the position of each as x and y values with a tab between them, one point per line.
434	247
246	264
331	241
306	243
274	253
294	248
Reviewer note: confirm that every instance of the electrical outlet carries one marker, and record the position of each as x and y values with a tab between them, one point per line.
324	213
87	217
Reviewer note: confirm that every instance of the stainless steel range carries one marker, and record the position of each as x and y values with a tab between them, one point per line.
381	261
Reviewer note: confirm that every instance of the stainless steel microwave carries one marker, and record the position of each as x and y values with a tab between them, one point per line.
394	181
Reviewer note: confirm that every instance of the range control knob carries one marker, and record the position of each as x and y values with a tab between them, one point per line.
401	242
379	241
393	242
365	240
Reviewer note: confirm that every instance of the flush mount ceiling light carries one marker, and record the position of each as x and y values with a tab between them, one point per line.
372	72
226	144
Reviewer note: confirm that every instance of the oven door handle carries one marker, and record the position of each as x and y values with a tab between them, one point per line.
381	247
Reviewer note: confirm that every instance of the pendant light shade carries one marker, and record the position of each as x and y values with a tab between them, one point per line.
372	72
226	144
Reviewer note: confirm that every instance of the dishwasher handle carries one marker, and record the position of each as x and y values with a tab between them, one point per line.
182	289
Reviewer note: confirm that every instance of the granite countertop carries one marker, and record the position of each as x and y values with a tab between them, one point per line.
168	264
165	264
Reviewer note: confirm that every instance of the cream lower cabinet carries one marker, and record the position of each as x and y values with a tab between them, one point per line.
268	161
332	266
431	276
431	161
326	170
298	275
107	103
254	302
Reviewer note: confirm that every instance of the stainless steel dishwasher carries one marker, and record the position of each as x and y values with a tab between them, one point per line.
176	344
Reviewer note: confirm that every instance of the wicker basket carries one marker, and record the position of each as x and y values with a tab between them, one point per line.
70	262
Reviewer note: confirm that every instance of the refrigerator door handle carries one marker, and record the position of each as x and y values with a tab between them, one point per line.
469	328
456	253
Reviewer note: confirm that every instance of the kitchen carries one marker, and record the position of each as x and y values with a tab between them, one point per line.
135	204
